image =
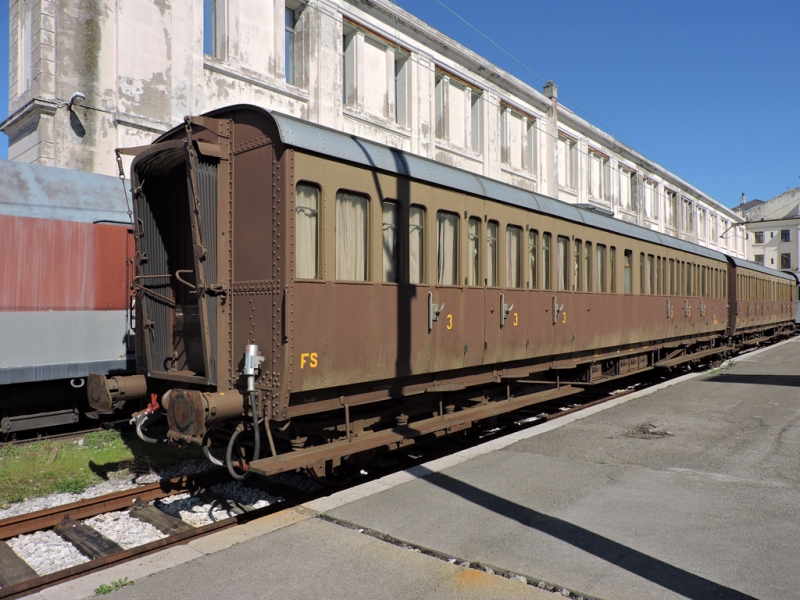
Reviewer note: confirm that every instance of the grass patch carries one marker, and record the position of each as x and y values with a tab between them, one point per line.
107	588
43	467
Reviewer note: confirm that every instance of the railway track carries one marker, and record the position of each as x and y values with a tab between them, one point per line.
68	521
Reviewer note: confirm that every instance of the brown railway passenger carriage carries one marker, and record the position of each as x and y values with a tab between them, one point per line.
393	297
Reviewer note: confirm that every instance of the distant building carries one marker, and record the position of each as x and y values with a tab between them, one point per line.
134	68
773	231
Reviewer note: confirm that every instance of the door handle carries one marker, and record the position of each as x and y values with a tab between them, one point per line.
556	309
504	309
433	311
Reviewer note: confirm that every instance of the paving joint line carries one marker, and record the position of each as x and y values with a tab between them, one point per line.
536	582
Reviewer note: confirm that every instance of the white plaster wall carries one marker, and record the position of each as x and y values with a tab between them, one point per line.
141	65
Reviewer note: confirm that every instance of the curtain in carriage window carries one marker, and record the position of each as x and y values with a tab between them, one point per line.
416	244
513	247
473	248
562	258
491	254
447	248
390	223
307	238
533	247
351	237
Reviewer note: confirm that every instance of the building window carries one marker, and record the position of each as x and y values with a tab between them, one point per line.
701	223
214	28
349	66
651	199
562	262
447	248
402	89
351	236
712	223
513	252
491	254
533	255
391	220
688	216
546	261
384	88
759	258
416	244
567	162
307	226
473	251
627	195
785	235
598	177
289	70
459	113
518	143
786	260
759	236
671	208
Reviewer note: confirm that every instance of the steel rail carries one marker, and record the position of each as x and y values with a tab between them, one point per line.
84	509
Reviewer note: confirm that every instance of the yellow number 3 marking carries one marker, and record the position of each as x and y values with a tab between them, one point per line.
565	317
449	321
516	319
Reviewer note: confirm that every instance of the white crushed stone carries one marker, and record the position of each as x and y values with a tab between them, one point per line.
46	552
125	530
196	512
113	484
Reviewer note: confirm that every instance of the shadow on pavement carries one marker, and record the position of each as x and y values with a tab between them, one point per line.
667	576
781	380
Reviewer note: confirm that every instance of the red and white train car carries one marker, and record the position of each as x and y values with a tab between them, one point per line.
66	248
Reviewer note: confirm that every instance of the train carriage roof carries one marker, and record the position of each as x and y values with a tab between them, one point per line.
753	266
63	194
324	141
321	140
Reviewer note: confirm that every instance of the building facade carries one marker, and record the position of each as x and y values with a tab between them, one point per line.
364	67
773	232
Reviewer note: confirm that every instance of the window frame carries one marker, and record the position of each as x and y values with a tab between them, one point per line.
319	225
456	244
367	241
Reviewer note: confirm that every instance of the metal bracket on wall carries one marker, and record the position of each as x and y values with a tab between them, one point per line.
433	311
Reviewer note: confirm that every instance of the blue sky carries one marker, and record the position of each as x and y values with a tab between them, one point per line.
708	88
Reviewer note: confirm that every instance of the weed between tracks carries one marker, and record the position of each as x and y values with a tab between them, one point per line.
41	468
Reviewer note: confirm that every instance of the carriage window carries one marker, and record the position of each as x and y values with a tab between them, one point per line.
307	226
613	271
587	266
689	287
601	268
577	276
491	254
651	275
662	286
351	236
547	241
416	244
473	251
672	276
641	273
513	251
704	292
390	222
447	248
562	262
628	274
533	249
